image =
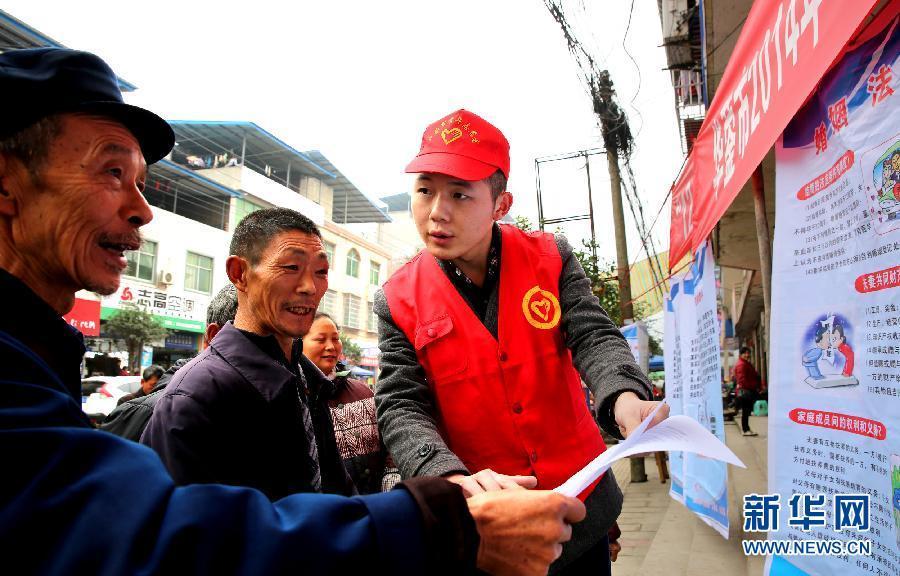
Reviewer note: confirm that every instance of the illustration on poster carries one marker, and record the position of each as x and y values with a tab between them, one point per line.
886	177
829	357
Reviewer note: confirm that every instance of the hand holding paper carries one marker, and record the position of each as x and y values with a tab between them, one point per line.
630	411
674	433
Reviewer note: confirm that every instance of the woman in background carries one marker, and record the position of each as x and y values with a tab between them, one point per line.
352	410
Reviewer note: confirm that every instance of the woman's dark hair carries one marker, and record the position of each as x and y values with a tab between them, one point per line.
324	315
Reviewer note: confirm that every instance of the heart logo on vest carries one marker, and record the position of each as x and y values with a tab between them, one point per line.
451	135
541	308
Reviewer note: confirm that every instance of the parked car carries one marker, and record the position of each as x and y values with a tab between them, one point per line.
99	394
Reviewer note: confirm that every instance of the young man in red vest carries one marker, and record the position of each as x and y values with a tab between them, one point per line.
486	335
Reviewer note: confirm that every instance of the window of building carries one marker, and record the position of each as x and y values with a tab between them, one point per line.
243	208
329	303
198	273
372	321
329	251
142	262
374	273
353	263
351	311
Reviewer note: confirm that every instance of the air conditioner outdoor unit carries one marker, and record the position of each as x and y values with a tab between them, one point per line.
166	277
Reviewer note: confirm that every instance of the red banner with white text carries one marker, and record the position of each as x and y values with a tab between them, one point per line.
85	316
784	49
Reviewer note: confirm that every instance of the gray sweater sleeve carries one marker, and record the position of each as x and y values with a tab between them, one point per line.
405	406
599	350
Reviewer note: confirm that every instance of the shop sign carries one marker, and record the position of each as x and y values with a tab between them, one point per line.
85	316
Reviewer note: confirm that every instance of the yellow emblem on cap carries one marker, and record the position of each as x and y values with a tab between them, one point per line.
541	308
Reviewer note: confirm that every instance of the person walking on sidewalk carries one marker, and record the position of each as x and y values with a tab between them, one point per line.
747	387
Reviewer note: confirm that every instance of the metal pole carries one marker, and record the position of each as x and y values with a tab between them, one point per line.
587	167
243	150
762	237
346	196
537	176
287	181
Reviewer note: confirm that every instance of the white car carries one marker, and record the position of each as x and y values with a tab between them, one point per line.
99	394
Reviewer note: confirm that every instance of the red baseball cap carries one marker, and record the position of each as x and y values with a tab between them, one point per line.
463	145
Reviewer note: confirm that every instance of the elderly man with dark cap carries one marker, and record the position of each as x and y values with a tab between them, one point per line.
73	500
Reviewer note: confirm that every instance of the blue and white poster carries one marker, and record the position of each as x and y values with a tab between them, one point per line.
834	398
673	363
694	388
639	342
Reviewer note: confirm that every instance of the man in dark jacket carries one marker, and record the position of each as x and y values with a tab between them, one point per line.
73	162
251	410
129	418
149	379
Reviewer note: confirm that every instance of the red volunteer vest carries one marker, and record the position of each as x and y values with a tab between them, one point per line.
515	404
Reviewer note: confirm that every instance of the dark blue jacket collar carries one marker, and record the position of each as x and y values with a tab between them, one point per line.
39	327
260	369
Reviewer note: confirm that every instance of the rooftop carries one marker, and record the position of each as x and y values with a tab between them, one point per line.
397	202
265	153
15	35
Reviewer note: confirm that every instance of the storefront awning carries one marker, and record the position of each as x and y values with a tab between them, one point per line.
784	49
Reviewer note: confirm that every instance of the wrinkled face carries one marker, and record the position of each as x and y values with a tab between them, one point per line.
453	216
75	222
322	344
285	286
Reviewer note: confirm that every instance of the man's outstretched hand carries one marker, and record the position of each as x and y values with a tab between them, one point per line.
630	411
522	531
489	481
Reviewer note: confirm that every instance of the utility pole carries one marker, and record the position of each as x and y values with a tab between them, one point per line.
615	186
618	142
616	138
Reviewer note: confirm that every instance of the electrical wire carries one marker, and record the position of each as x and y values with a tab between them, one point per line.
637	69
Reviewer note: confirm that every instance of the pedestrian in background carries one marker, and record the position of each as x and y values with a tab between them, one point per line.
149	379
746	389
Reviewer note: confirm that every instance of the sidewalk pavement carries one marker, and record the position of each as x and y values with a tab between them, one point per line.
661	536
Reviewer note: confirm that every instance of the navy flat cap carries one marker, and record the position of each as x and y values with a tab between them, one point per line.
38	82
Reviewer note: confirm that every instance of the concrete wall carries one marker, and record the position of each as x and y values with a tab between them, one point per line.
268	190
175	236
319	192
339	282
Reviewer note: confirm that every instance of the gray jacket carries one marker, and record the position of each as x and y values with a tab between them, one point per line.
406	408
